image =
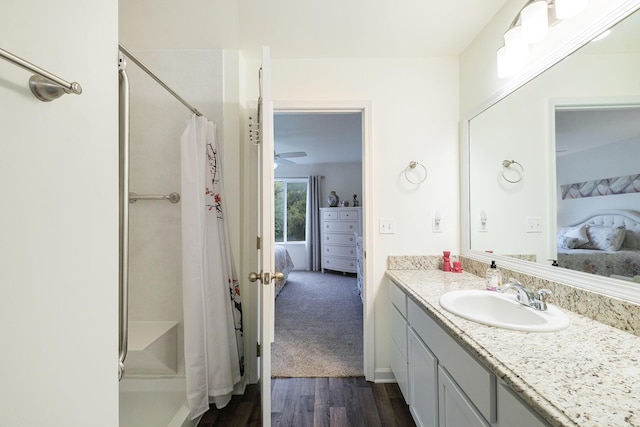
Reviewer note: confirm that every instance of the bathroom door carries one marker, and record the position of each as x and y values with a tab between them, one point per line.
266	251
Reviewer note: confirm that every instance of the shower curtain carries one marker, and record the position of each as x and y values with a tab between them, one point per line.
211	295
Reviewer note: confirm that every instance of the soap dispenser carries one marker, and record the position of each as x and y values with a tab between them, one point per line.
494	277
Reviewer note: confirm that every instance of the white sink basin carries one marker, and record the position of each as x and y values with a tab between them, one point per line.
503	311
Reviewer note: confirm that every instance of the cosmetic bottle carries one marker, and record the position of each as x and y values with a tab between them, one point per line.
494	277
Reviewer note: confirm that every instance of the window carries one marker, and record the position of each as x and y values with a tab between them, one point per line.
290	200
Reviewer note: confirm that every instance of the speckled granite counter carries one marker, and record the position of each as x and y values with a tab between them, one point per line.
585	375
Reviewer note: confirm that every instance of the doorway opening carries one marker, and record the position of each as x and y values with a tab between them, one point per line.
320	319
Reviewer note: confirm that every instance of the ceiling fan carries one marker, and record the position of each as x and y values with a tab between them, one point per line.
281	158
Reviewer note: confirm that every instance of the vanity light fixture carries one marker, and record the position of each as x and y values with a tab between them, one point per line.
530	26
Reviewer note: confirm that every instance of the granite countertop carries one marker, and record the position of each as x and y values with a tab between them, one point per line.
585	375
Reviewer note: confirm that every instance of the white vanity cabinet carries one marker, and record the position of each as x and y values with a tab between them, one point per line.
447	385
338	226
399	328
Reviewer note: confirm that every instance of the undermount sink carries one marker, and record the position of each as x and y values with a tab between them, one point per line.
503	311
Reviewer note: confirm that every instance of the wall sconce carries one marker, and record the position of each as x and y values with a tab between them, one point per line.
530	26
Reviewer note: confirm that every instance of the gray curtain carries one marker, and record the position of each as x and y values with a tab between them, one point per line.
313	223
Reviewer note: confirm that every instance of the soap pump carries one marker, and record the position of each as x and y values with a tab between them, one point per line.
494	277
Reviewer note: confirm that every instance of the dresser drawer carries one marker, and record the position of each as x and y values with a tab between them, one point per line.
339	239
340	264
329	215
349	214
345	251
341	226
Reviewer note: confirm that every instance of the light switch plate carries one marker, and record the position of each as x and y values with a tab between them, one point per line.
387	226
534	224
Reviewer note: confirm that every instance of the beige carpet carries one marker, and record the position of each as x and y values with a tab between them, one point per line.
318	327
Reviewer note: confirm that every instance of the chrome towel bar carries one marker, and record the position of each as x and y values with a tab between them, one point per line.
172	197
44	85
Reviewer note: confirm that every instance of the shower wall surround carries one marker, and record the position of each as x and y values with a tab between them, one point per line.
614	312
157	121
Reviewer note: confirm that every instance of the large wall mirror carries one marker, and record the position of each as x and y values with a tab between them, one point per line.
559	150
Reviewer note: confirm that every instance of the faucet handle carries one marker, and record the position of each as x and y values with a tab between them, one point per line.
541	299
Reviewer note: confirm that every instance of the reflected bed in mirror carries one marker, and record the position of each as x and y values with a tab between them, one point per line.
562	105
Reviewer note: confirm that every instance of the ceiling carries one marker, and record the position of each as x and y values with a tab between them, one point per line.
325	137
362	28
352	29
587	128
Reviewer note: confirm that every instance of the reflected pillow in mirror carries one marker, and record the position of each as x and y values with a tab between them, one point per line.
605	238
572	237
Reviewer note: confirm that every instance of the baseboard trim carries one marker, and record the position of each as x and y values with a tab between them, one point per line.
384	375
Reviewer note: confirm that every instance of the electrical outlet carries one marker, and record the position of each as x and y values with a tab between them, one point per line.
436	225
534	224
387	226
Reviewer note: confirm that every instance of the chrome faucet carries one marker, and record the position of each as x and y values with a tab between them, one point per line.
525	296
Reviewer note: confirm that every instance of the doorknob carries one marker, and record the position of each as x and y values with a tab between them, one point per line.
265	277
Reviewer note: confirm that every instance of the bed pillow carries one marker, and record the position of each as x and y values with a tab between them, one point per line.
605	238
572	237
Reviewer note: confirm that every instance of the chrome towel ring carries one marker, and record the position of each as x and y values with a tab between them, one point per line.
412	166
506	165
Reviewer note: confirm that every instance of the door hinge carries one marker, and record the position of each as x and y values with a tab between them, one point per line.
258	349
258	242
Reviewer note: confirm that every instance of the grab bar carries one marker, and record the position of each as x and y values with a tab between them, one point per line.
172	197
44	86
124	215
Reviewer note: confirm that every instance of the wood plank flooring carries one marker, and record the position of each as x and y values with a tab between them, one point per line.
317	402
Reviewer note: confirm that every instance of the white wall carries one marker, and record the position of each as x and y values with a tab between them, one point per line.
415	118
59	221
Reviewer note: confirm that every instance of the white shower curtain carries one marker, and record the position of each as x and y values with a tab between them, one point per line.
210	292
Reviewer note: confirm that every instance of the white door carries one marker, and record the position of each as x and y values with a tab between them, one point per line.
266	268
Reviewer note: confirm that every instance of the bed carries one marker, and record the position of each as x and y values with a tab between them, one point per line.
283	265
606	243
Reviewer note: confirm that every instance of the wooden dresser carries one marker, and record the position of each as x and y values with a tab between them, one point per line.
338	226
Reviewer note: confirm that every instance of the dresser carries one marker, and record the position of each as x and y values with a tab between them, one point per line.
338	226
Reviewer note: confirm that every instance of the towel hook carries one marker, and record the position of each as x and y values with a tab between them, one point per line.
506	164
412	165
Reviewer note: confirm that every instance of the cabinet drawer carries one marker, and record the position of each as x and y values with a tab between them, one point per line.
346	251
340	264
339	239
472	377
340	226
398	329
348	214
400	370
398	298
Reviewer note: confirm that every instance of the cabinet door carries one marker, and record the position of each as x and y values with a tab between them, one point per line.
423	382
455	410
512	411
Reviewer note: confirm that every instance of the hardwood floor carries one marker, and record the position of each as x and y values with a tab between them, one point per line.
317	402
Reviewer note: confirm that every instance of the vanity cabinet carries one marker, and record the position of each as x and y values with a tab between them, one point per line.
442	382
338	226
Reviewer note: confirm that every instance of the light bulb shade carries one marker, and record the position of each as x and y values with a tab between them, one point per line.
568	8
507	67
516	48
535	21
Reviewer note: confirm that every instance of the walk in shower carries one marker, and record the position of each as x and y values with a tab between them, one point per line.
152	389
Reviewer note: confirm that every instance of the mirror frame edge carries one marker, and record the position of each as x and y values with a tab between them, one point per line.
590	282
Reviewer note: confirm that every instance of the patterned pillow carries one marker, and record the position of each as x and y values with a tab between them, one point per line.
605	238
572	237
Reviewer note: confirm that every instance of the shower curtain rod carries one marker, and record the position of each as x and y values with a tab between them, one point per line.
146	69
